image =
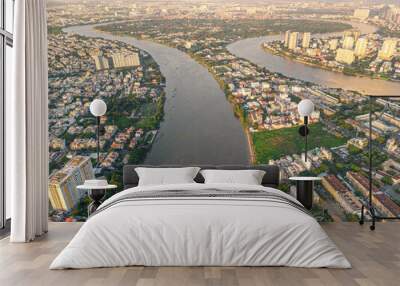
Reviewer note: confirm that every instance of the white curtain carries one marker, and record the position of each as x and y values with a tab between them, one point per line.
26	120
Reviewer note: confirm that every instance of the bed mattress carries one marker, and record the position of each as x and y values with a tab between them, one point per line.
201	225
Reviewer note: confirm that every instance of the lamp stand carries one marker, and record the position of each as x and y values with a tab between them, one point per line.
369	205
98	142
306	138
303	130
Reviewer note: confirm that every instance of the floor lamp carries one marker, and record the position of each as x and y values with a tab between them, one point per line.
370	204
98	108
305	108
96	188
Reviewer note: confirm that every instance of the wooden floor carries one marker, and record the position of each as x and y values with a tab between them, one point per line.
375	257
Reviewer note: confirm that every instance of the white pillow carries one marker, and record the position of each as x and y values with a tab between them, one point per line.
248	177
165	176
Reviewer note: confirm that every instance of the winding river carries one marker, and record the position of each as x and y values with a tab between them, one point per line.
252	50
199	126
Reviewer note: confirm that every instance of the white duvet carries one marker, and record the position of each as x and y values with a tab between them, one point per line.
202	232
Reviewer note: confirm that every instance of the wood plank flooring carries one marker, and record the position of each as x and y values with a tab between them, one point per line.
375	257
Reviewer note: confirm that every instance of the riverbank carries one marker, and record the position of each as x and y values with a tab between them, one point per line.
214	66
251	50
253	157
194	102
293	57
238	111
235	107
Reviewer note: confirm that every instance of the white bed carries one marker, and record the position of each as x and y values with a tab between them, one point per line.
202	231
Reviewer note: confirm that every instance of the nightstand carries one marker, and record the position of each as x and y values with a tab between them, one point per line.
96	190
304	192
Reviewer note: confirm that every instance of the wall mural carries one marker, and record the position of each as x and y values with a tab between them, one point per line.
219	83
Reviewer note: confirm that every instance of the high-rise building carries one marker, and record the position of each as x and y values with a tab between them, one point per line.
391	13
287	37
388	49
361	47
101	62
121	60
361	14
347	33
348	43
63	194
293	40
355	33
306	40
345	56
333	44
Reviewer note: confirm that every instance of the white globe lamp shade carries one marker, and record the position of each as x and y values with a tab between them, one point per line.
306	107
98	107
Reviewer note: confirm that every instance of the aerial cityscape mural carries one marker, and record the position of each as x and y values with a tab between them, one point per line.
218	82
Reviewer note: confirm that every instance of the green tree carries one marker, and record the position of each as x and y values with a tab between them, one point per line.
387	180
353	150
355	168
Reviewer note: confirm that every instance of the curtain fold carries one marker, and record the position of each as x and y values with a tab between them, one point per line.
27	123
